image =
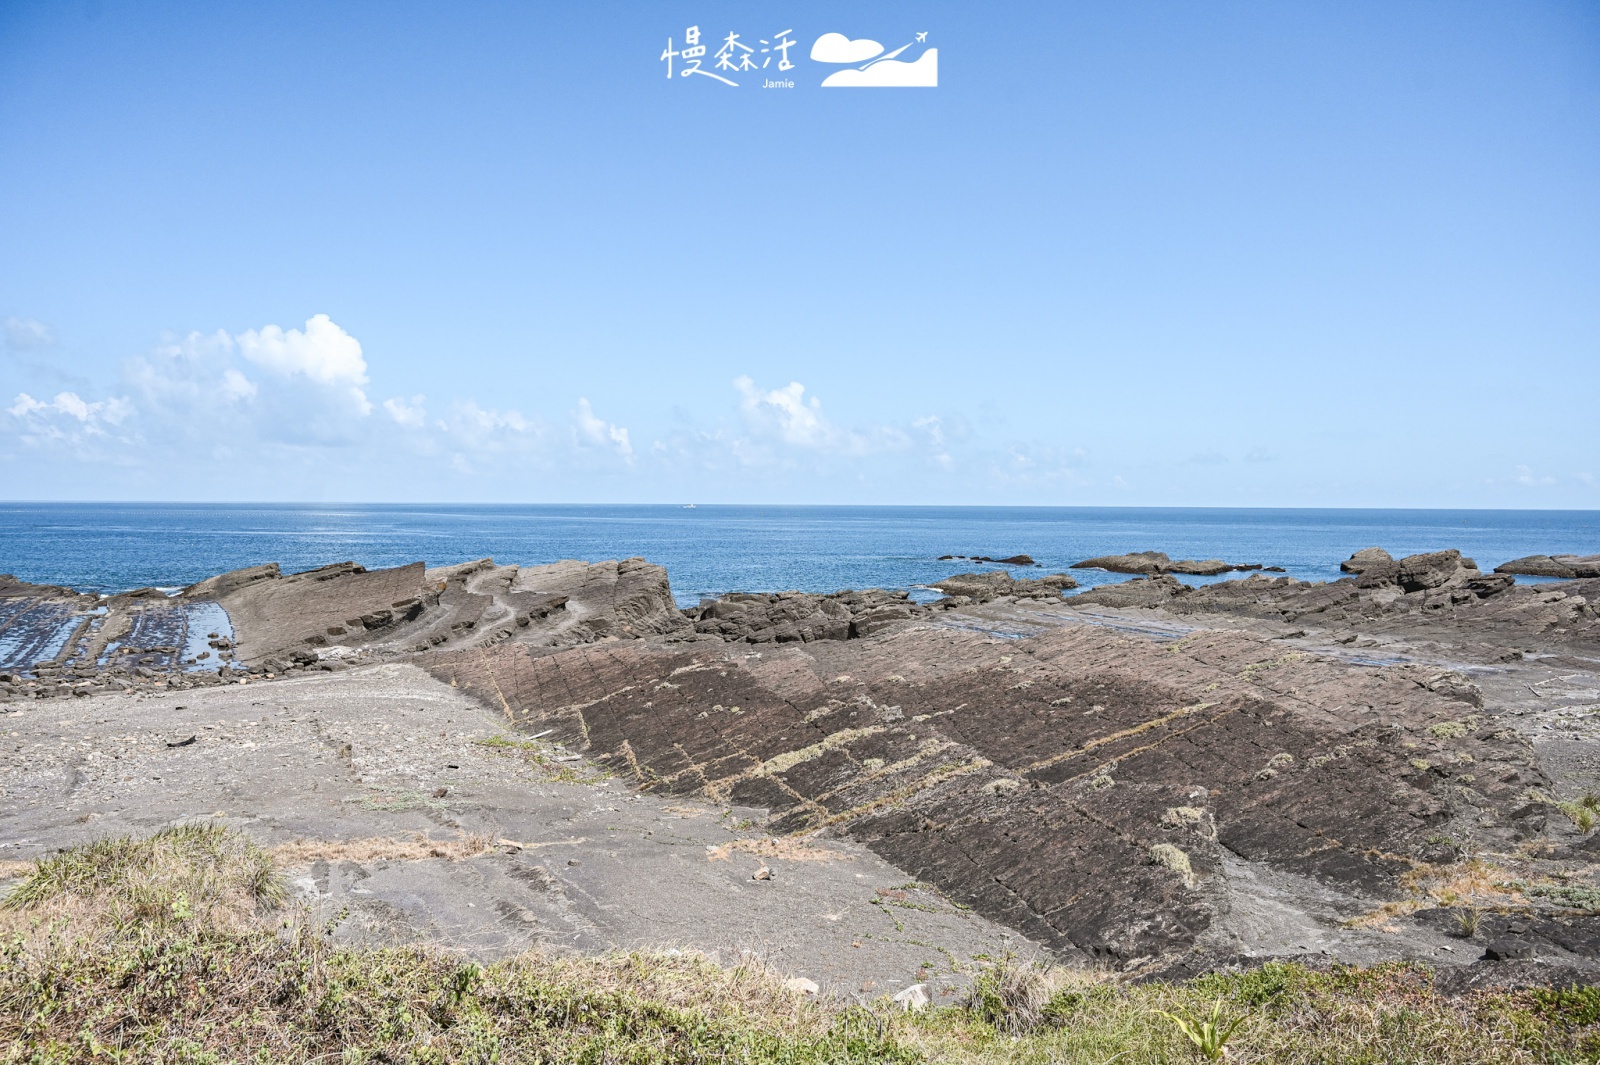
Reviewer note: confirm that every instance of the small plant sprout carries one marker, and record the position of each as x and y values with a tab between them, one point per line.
1584	813
1208	1034
1467	920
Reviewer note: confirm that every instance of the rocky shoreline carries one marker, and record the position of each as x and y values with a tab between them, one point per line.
1139	775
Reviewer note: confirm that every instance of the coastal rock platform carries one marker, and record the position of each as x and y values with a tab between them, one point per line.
1146	775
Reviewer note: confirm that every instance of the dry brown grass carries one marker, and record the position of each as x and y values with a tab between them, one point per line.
380	849
1477	883
783	849
12	870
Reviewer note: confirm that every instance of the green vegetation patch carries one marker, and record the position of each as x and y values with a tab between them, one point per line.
176	948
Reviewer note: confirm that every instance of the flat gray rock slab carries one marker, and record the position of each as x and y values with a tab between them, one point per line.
577	860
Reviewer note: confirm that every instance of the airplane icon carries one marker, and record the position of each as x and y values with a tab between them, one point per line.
922	37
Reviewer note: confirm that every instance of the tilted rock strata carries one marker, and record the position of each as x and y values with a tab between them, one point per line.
1079	785
275	614
474	603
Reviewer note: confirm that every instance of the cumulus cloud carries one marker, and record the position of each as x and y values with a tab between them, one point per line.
798	420
68	420
469	419
236	385
28	334
322	352
71	405
595	431
412	415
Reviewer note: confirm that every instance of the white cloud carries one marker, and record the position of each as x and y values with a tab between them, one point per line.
28	334
837	48
595	431
236	385
889	73
798	420
1525	475
932	426
323	353
412	415
467	418
70	421
70	404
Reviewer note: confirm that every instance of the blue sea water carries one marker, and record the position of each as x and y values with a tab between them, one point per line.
708	550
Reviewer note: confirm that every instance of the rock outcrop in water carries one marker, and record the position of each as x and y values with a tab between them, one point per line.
1438	596
800	617
1155	562
1365	558
1563	566
998	584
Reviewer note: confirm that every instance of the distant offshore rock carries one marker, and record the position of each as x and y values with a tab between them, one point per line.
806	617
1565	566
1153	563
1365	559
1014	560
997	584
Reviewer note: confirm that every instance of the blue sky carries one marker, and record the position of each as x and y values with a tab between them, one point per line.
1320	254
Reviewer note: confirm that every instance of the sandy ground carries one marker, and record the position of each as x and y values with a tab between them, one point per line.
371	761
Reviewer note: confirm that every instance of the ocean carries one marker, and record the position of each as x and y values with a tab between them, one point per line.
709	550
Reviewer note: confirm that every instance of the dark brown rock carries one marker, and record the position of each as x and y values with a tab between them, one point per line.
1081	785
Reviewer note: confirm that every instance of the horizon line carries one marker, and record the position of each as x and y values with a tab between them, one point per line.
817	506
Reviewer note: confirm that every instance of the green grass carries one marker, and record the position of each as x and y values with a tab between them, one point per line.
577	771
176	948
1584	813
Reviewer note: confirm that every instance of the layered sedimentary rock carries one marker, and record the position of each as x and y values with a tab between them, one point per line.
275	614
262	621
1082	786
1097	791
475	603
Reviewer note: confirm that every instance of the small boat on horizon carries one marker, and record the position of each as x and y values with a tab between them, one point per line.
688	506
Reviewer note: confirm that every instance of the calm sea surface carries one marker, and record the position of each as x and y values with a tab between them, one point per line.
708	550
